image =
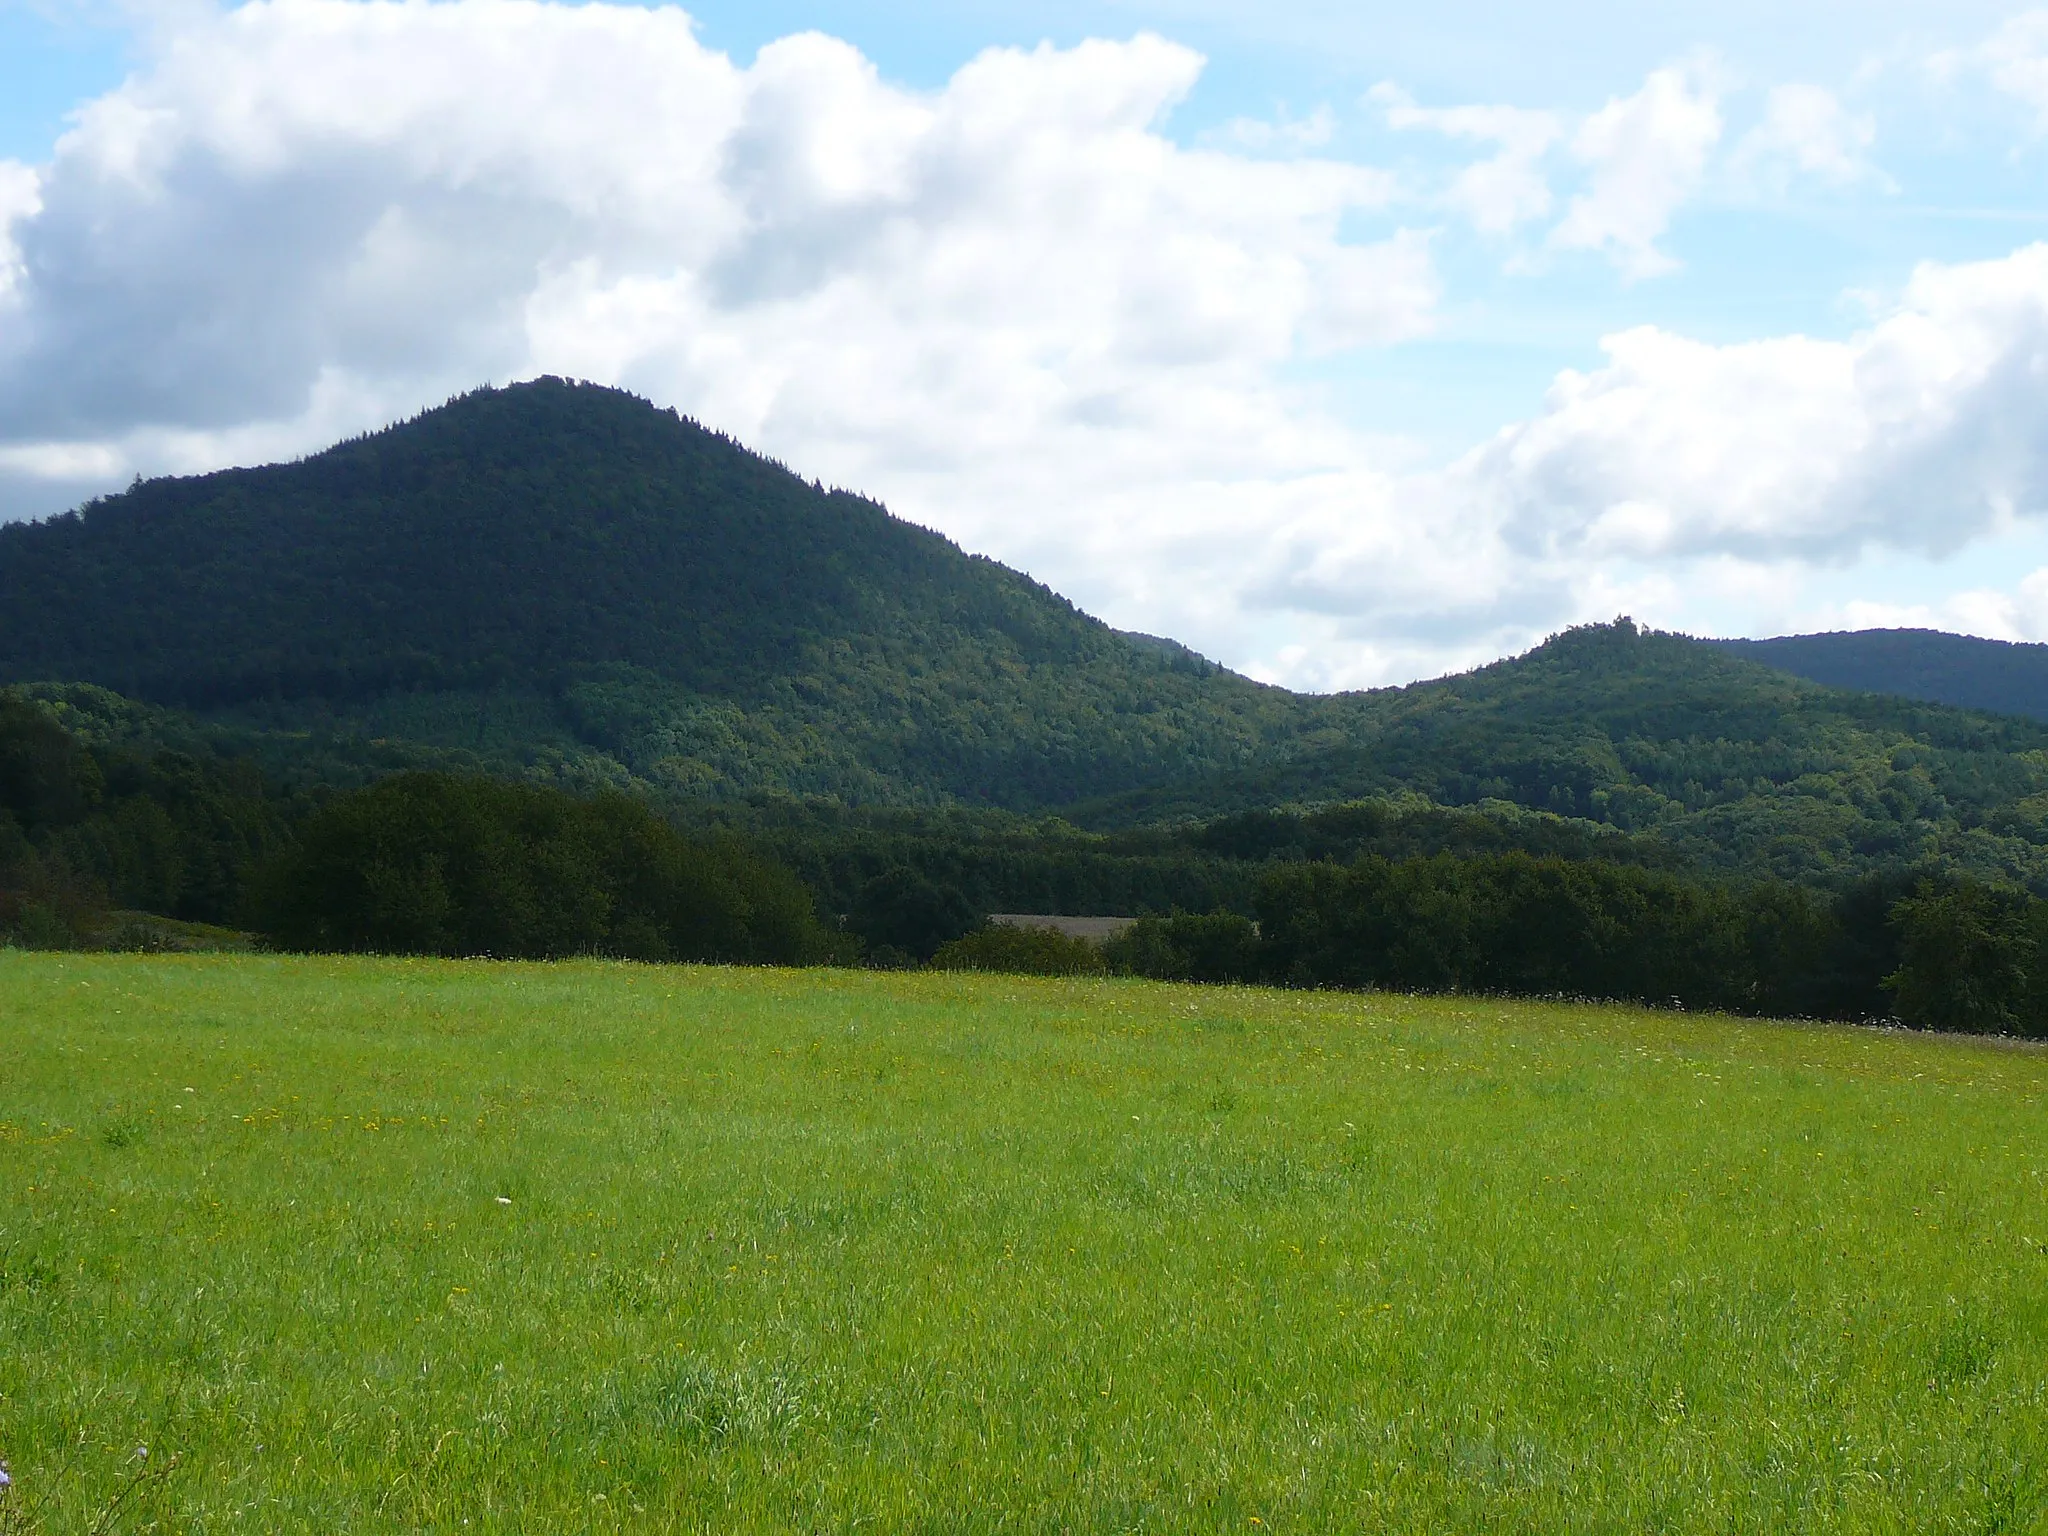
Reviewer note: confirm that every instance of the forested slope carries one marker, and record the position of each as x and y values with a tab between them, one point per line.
1729	763
562	577
1964	670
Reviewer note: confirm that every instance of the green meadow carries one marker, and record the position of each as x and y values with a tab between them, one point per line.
361	1245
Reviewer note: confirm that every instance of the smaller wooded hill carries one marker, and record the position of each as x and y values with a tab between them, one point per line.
1965	670
1730	763
563	575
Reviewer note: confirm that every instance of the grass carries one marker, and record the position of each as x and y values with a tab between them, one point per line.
384	1245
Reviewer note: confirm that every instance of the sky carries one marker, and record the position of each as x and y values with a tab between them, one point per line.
1347	343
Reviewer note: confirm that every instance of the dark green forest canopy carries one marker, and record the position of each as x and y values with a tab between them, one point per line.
161	825
1999	675
564	575
1725	762
425	863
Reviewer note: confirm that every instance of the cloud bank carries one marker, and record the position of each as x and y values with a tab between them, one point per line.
1925	431
1014	307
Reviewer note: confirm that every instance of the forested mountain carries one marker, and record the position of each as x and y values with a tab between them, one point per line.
561	577
1998	675
560	582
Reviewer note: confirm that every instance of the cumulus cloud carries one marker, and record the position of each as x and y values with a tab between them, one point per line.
1286	135
1645	155
1641	158
2017	613
1923	432
1806	132
1688	482
2015	57
1503	192
20	199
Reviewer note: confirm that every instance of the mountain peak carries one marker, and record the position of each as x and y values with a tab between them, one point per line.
620	578
512	532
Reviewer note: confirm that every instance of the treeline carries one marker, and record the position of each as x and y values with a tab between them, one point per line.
85	831
907	881
425	863
1518	924
93	834
1400	895
1934	950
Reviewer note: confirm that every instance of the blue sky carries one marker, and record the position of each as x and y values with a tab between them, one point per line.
1240	323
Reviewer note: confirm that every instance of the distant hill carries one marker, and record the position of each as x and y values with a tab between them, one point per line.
1998	675
563	577
1727	761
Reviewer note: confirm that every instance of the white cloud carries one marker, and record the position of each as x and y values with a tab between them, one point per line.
2016	59
1499	194
2021	614
20	199
1923	432
1646	155
1643	156
1713	486
1284	135
1807	132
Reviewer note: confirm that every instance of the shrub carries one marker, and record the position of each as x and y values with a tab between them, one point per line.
44	903
1023	951
903	918
1188	946
1967	958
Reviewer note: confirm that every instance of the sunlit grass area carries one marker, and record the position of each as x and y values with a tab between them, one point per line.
363	1245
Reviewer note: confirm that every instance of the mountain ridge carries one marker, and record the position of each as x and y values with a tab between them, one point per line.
1967	671
562	582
